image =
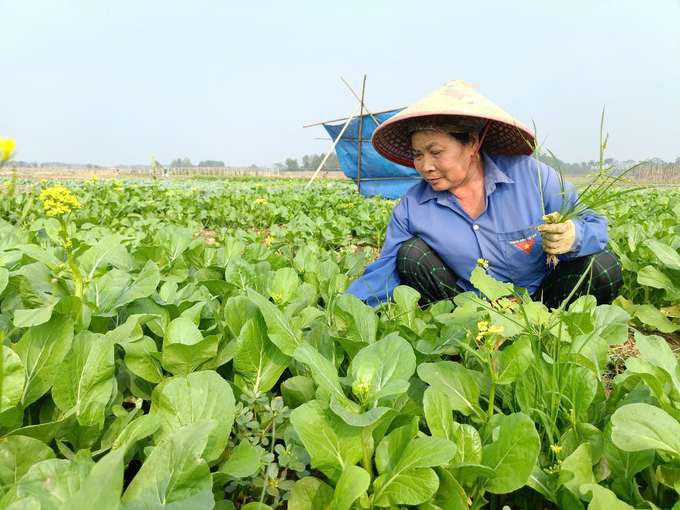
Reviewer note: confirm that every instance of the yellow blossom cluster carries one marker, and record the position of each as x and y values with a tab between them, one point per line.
7	184
555	448
94	178
384	211
486	330
58	200
269	240
483	262
6	148
118	188
260	201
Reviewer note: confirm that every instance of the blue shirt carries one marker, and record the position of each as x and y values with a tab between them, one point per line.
502	234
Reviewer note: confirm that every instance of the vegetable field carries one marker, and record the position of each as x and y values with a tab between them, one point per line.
188	345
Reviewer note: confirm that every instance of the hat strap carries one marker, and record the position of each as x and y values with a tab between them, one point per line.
481	140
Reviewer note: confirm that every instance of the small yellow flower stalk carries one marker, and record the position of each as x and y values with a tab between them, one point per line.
7	146
58	201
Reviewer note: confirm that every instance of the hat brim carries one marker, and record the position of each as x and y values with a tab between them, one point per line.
392	140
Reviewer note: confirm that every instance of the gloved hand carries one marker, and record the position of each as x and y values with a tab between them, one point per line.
558	238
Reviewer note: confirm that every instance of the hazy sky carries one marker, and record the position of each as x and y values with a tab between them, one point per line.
114	81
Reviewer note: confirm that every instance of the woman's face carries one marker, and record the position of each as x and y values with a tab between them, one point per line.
442	160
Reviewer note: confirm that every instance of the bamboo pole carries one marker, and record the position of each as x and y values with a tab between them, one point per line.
333	147
361	125
345	118
362	98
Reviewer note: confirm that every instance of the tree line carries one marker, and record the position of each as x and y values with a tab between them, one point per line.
310	162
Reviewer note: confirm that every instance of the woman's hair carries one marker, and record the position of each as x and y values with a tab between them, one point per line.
463	138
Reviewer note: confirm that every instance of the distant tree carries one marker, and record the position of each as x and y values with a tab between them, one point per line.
292	165
210	163
657	161
254	166
307	162
279	166
186	162
176	163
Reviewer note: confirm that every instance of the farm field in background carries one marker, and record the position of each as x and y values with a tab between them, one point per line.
188	342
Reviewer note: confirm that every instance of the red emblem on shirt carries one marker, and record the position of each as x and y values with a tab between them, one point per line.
524	244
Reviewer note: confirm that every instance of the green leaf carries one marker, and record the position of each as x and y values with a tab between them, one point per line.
12	381
42	349
667	255
285	283
103	486
52	482
353	482
143	359
406	299
652	277
638	427
175	472
577	470
107	249
86	378
489	286
625	464
32	317
332	443
656	350
514	360
469	444
237	311
392	447
438	413
513	454
323	372
409	487
199	397
390	359
142	287
355	320
244	461
426	452
603	499
18	454
297	390
651	316
184	347
453	380
279	328
310	494
257	359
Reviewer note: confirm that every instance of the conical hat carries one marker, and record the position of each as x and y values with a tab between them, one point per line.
506	136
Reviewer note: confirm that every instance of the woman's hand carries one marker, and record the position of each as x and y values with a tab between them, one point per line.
558	238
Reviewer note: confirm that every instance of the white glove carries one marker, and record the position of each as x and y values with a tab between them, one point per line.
558	238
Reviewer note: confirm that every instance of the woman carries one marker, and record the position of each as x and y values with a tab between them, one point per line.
480	206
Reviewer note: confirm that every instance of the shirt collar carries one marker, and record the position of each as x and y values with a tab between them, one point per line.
492	176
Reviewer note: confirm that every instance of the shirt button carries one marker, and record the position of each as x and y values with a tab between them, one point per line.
476	227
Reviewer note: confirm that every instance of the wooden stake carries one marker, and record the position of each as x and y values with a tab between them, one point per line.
361	125
333	147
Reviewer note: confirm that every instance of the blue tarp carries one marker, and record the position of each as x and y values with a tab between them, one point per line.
372	164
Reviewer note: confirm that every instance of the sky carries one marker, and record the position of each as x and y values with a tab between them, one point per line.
113	81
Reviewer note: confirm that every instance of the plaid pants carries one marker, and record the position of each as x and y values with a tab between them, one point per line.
421	268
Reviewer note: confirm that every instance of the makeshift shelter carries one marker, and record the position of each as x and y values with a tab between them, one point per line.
373	174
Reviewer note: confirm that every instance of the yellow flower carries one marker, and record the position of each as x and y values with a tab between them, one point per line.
555	448
175	185
150	202
94	178
118	188
260	201
153	166
58	200
351	204
482	326
7	184
6	148
68	243
269	240
153	157
496	329
482	262
384	211
119	182
193	189
43	181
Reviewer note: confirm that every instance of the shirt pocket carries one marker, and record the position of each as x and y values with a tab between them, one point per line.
523	251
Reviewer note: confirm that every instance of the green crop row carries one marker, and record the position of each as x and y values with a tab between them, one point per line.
189	345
